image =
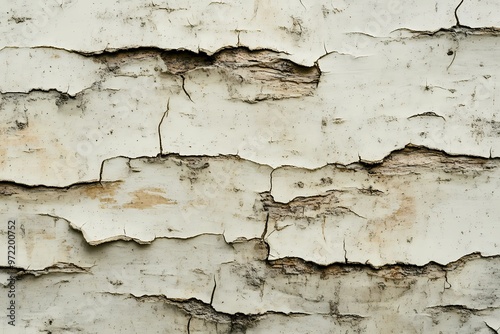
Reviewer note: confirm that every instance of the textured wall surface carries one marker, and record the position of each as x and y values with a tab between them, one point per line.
250	166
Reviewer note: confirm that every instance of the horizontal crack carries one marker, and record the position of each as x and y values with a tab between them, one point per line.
427	114
455	30
460	308
59	267
367	164
301	266
64	95
200	309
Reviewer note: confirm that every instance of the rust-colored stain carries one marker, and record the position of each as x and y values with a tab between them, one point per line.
20	138
147	198
108	200
404	216
396	224
43	159
104	193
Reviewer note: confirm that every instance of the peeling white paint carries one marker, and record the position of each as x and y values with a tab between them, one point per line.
300	28
250	166
416	207
364	107
145	199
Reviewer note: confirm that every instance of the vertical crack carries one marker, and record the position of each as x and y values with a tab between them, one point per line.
189	325
213	291
265	228
447	284
184	88
345	253
165	114
456	15
271	181
453	51
101	170
454	56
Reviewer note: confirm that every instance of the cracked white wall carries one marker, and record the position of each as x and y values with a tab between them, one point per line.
250	166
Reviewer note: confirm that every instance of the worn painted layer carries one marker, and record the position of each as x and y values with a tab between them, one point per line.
249	167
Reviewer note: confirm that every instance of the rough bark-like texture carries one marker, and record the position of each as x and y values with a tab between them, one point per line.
250	167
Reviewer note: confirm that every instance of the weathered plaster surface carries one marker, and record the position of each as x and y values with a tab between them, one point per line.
146	198
251	166
417	206
300	28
